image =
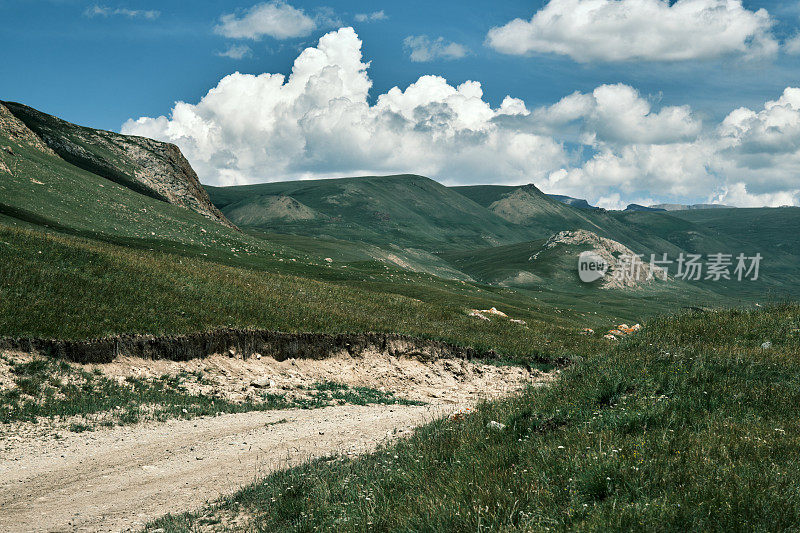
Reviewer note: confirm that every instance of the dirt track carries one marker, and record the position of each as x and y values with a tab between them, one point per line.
118	479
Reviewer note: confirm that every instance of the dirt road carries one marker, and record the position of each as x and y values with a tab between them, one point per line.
117	479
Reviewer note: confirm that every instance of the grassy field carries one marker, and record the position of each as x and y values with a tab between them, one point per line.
690	425
65	287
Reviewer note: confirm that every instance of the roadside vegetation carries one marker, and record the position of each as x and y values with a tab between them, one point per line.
690	425
46	388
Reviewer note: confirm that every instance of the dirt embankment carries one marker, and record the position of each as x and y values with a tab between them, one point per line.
118	478
241	342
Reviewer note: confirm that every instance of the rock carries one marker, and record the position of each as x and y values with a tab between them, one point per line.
150	167
262	383
477	314
495	425
766	346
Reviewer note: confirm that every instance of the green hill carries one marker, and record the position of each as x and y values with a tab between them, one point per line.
406	210
143	165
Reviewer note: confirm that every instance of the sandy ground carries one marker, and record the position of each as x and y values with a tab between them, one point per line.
454	381
119	478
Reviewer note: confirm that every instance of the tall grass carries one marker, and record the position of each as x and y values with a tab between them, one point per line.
689	426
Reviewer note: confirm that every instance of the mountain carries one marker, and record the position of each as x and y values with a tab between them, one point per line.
769	229
637	207
149	167
574	202
404	210
684	207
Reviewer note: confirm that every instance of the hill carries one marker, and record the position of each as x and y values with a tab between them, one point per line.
574	202
143	165
405	210
687	426
690	207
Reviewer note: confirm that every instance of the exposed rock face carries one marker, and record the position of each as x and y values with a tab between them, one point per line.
636	272
146	166
19	132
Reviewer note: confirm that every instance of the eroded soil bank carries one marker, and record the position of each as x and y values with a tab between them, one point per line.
242	342
119	477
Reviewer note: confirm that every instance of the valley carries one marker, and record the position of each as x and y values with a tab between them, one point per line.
312	317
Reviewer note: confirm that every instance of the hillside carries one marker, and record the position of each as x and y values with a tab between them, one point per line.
149	167
405	210
689	207
687	426
773	229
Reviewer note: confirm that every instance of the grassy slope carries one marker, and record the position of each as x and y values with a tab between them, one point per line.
774	229
404	210
152	267
688	426
73	288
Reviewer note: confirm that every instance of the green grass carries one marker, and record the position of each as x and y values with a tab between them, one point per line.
430	215
55	389
689	426
65	287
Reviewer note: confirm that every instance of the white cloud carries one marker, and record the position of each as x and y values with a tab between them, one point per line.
370	17
275	19
105	11
792	45
632	30
618	114
318	122
751	158
422	48
236	51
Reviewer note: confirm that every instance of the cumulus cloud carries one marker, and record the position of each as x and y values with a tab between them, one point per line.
236	51
618	114
275	19
371	17
751	158
631	30
317	122
105	11
422	48
611	145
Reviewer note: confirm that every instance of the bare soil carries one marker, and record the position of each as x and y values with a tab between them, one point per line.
119	478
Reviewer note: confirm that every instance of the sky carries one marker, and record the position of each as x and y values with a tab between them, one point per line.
615	101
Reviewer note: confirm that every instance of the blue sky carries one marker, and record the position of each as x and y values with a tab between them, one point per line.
100	64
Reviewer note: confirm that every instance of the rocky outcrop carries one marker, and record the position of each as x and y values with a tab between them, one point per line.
240	343
18	132
626	268
144	165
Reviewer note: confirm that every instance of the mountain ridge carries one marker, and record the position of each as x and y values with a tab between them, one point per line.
149	167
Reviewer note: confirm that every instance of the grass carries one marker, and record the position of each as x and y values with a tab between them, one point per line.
55	389
68	287
690	425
